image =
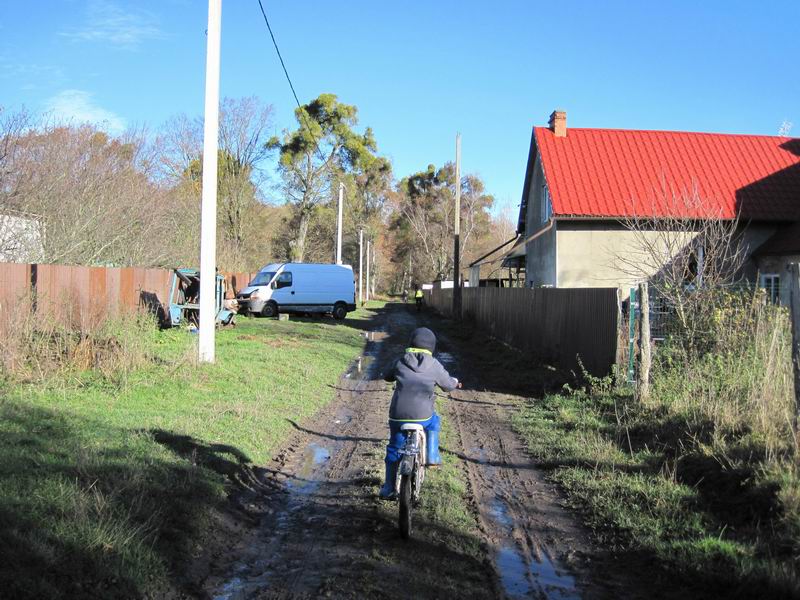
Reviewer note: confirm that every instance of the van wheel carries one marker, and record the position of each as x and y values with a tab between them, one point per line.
339	311
270	310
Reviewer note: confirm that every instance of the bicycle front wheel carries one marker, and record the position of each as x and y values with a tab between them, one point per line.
405	505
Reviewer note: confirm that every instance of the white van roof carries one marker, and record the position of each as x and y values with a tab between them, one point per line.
272	267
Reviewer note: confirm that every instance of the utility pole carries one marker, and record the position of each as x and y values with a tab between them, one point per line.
374	272
456	236
339	226
360	265
367	286
208	209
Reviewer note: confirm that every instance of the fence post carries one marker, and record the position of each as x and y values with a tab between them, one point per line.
644	342
794	311
632	336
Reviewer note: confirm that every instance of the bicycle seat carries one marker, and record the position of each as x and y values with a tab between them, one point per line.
411	427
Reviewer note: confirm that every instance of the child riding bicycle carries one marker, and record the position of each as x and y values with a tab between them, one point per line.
415	373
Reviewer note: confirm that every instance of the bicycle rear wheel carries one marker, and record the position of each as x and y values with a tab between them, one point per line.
406	507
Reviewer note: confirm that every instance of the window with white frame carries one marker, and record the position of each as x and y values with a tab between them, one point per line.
771	282
546	207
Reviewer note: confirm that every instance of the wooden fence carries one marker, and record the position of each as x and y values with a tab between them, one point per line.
557	325
86	296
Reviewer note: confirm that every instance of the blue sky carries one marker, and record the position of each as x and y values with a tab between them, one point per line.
420	71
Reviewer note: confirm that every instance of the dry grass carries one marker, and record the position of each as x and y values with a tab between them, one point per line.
738	375
36	345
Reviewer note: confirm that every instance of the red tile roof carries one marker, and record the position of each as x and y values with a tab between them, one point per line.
615	173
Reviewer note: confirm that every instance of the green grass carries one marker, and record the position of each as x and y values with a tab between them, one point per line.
107	483
650	484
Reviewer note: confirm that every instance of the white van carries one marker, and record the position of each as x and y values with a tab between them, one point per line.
300	288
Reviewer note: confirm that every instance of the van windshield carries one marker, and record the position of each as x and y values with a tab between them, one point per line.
263	278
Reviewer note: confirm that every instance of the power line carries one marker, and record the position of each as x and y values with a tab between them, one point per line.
289	79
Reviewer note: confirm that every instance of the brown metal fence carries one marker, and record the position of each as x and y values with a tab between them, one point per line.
558	325
86	296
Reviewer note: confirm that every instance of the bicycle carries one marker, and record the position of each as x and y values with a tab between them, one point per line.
410	474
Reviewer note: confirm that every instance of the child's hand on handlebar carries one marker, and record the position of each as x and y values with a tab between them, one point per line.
459	385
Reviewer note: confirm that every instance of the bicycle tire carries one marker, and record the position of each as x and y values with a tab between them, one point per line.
406	506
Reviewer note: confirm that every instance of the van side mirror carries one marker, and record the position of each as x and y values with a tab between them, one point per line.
273	285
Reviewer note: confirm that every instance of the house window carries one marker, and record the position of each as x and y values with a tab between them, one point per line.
771	282
546	206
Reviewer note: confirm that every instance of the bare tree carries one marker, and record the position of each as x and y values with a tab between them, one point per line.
683	246
243	136
92	200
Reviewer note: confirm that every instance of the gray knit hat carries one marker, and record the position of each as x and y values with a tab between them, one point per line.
423	338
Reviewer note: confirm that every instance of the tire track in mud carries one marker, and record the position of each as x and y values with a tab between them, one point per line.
322	531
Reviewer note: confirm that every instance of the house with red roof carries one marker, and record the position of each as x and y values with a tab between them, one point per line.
583	185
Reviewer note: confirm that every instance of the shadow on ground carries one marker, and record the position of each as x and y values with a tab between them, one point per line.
90	511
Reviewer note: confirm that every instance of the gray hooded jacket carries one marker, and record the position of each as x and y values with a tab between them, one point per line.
416	373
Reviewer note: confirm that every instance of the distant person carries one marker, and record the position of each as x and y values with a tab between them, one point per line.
418	296
405	295
415	373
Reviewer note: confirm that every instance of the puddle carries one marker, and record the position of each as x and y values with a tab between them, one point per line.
522	578
446	358
360	367
479	455
252	573
303	482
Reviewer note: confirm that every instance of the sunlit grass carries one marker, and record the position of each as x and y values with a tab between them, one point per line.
107	483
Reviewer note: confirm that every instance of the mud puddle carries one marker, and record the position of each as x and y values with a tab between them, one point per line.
255	572
523	576
365	366
304	482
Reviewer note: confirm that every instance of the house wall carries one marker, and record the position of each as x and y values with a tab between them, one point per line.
593	253
778	265
540	260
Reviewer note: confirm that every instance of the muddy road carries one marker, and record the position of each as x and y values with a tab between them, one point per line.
317	529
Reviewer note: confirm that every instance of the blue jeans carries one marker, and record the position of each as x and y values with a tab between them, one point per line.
397	438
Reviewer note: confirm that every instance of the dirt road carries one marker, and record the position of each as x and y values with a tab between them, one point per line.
319	530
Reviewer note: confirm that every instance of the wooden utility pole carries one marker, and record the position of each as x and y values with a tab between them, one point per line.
794	311
367	286
645	359
360	265
208	205
339	226
456	236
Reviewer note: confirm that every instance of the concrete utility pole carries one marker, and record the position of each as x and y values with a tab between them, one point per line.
339	226
374	272
208	209
456	236
367	286
360	265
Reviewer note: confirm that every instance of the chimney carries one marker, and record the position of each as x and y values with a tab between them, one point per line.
558	123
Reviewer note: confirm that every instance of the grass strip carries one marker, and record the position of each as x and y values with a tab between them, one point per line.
107	483
650	489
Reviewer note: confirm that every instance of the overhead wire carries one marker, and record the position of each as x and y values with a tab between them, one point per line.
289	79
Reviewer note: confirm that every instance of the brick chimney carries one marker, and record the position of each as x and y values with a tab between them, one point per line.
558	123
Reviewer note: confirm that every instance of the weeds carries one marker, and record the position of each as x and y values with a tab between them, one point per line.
39	345
702	476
